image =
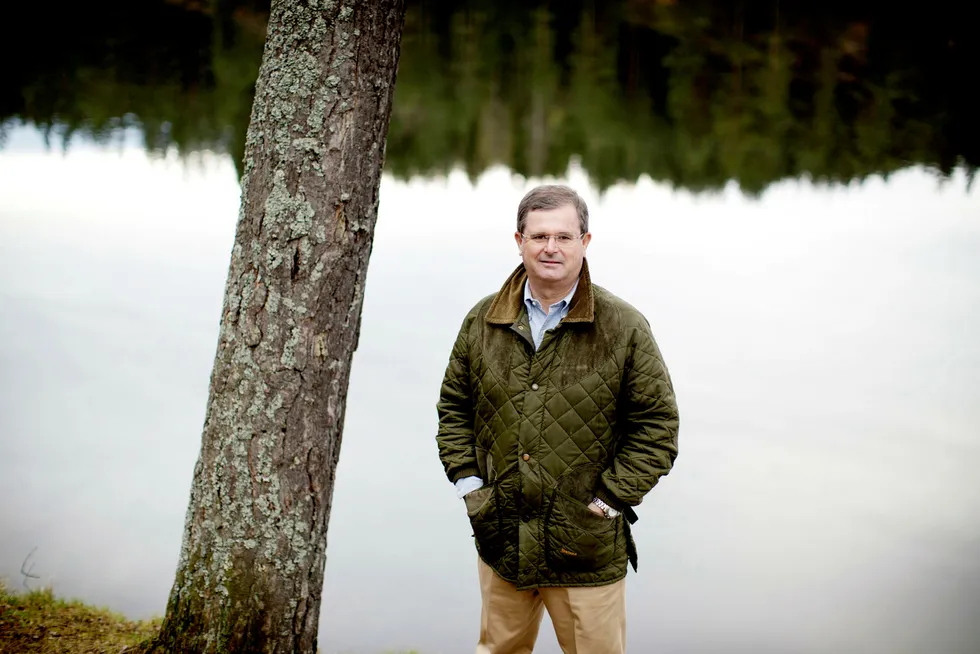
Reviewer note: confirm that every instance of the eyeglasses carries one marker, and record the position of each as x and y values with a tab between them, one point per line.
562	240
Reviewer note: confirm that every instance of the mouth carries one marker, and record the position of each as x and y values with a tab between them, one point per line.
550	263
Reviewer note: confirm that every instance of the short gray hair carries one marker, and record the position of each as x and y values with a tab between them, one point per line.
552	196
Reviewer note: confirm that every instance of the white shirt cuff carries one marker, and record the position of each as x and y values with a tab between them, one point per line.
467	485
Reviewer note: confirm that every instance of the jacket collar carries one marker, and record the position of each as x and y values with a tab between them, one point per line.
509	301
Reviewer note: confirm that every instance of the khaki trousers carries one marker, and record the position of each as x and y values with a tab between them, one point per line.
587	620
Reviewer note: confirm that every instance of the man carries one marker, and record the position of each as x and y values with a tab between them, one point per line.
556	417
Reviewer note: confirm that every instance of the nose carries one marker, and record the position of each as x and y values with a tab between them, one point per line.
552	245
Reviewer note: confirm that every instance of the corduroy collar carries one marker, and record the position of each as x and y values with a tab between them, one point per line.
509	302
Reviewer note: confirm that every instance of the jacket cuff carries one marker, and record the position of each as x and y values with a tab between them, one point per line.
465	472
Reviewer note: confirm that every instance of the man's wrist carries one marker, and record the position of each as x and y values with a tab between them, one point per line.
607	510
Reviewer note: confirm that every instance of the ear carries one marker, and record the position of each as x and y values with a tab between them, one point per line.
586	240
520	243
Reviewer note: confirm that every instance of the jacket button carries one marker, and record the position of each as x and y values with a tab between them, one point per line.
526	517
526	457
534	387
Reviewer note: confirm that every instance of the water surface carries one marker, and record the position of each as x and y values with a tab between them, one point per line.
822	341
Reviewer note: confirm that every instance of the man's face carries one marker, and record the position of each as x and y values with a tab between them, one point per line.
549	260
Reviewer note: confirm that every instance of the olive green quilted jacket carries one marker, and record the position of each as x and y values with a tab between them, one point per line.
591	413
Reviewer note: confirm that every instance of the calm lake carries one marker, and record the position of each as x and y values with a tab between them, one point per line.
786	196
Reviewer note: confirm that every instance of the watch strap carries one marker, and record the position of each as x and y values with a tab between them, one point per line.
607	510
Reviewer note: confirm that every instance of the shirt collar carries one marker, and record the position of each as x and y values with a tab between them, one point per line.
566	301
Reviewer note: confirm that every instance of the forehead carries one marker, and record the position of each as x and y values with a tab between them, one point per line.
562	219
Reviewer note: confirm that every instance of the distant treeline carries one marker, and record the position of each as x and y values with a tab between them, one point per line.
692	93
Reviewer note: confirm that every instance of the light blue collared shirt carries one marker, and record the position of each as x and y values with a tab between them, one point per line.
541	321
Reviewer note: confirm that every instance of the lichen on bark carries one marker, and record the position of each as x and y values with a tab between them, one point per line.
251	567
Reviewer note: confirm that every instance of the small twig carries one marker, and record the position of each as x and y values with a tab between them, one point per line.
28	574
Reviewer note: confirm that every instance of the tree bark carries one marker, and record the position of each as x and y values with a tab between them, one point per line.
251	566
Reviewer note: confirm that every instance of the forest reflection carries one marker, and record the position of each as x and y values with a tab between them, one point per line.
692	93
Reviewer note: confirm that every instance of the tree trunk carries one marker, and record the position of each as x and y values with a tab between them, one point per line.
251	565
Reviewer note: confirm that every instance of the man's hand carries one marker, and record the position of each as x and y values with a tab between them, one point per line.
595	509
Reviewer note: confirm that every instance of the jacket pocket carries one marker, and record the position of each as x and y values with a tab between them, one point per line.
478	499
576	538
486	518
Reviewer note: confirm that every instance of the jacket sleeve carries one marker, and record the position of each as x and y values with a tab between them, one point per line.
456	439
648	442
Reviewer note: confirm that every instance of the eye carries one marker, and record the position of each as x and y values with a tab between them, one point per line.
565	239
540	238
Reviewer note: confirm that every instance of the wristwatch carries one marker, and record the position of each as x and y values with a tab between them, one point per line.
607	510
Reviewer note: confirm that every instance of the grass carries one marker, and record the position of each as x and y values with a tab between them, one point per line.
38	622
